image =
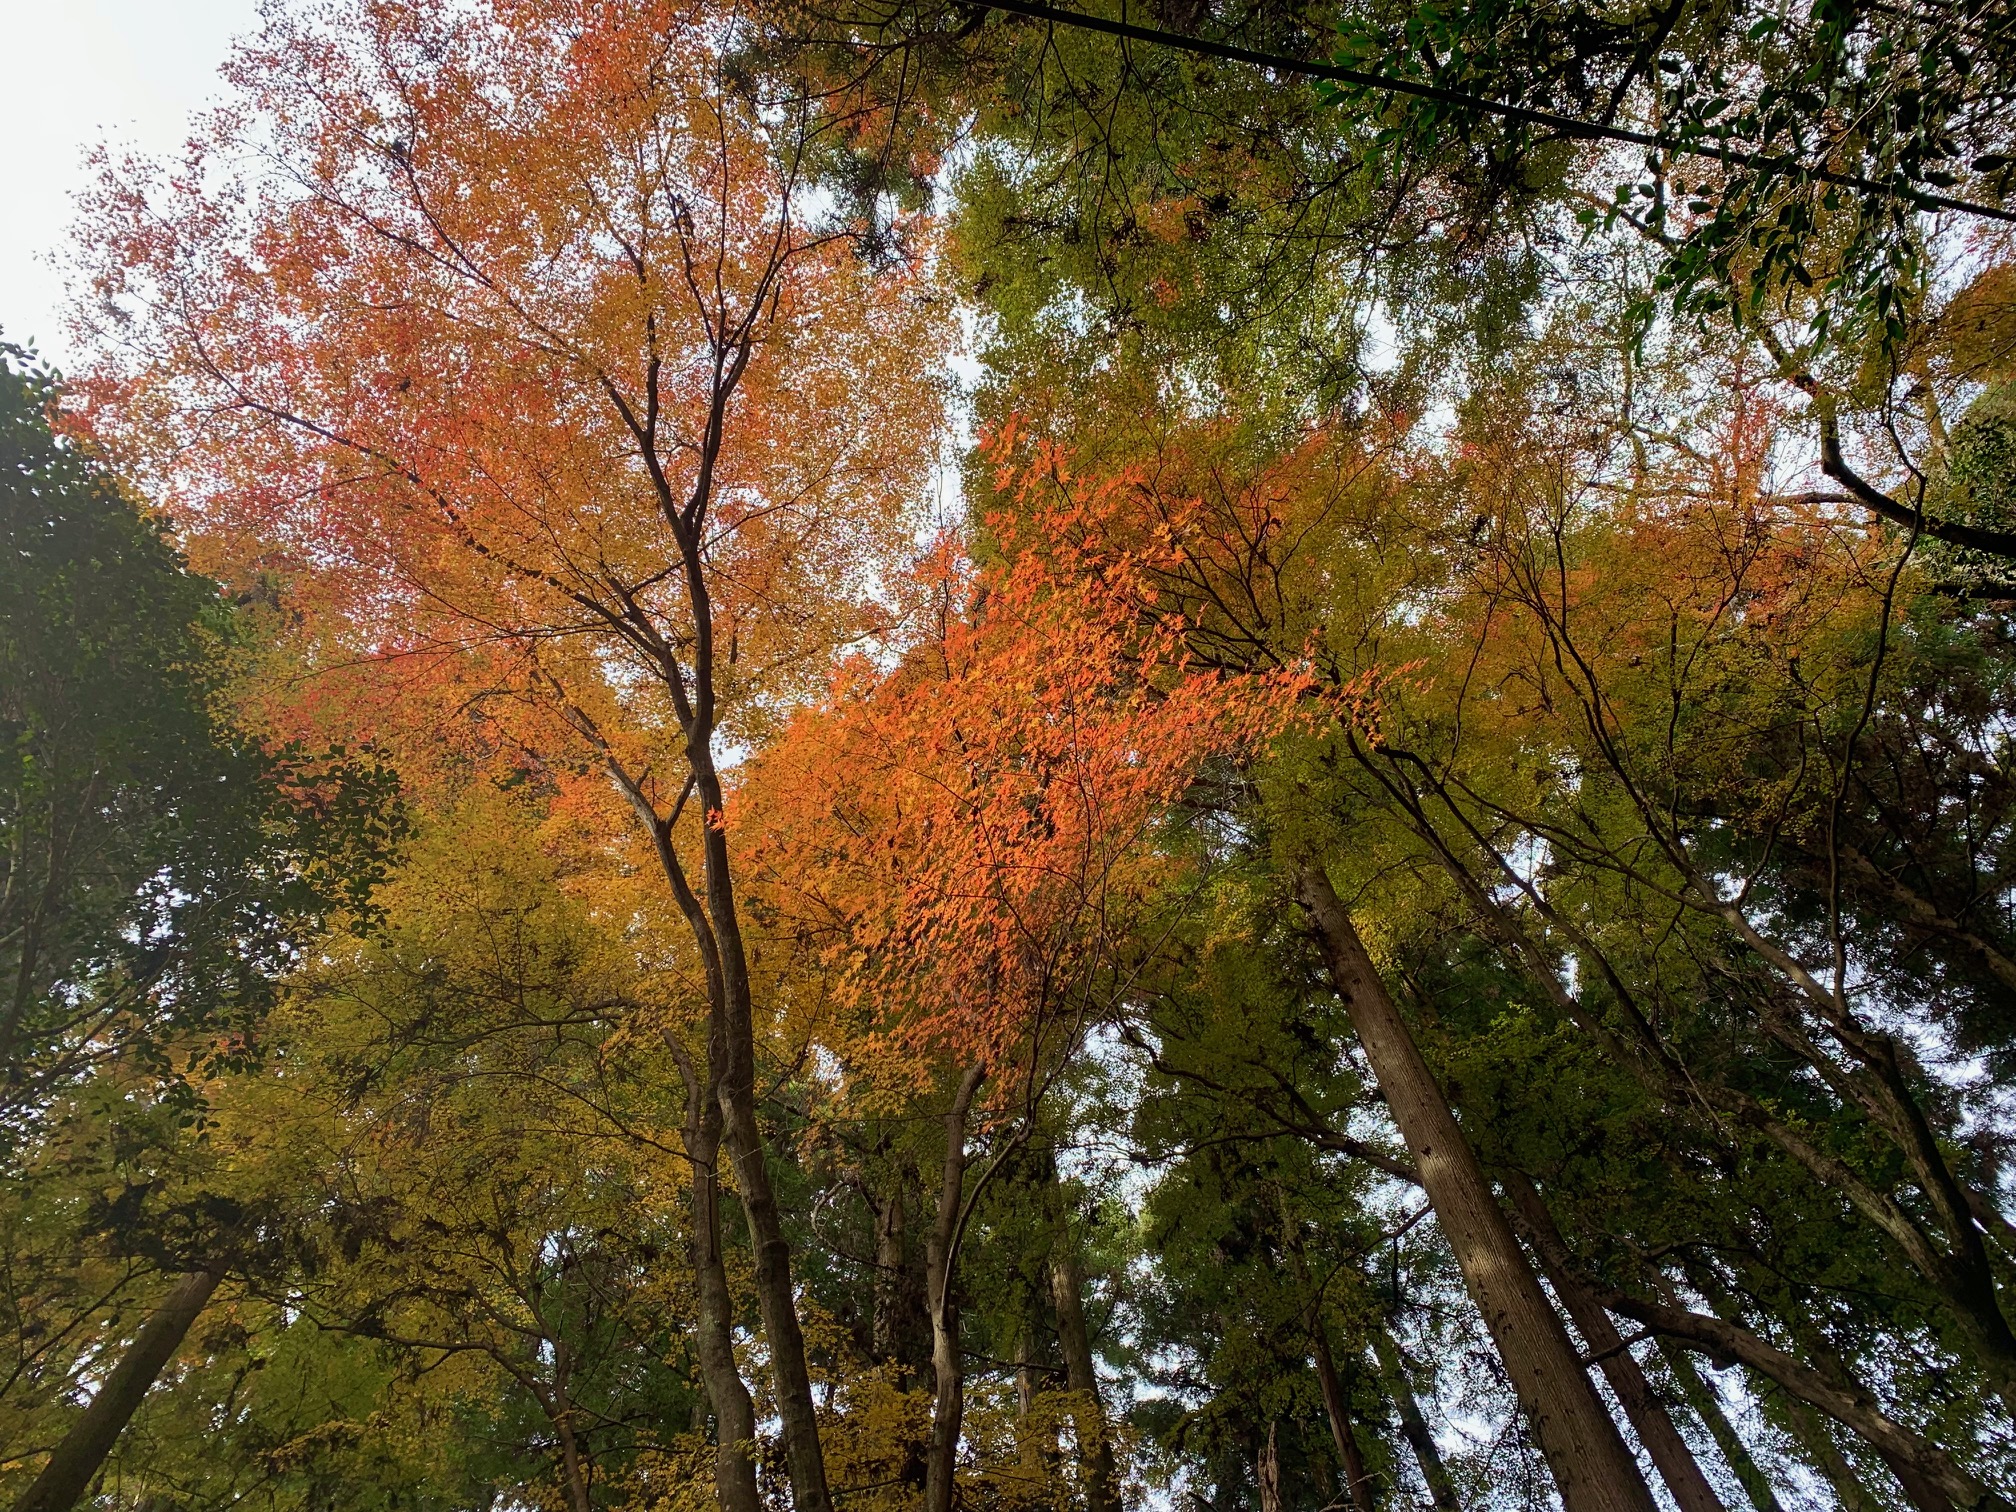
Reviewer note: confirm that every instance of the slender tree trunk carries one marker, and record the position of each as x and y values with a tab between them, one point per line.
1025	1371
734	1411
776	1298
1357	1484
570	1446
1670	1455
1815	1439
895	1331
1708	1407
1592	1469
1067	1289
1413	1426
1920	1490
949	1404
77	1459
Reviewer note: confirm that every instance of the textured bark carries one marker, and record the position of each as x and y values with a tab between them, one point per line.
1267	1472
1413	1426
77	1459
949	1401
1701	1397
1593	1470
1067	1289
1672	1458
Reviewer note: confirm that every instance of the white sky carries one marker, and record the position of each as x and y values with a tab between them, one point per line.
76	73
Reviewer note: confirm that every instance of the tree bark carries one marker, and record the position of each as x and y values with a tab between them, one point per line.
776	1298
949	1403
1357	1484
734	1411
1592	1469
1267	1471
1067	1289
1850	1405
1701	1397
77	1459
1413	1426
1672	1458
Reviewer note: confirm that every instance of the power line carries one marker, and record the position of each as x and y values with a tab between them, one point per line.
1571	126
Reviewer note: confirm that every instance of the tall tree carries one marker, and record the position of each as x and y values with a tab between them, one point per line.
541	316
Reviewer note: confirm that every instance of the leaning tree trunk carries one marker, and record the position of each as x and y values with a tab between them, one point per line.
1592	1469
1700	1396
1357	1484
1670	1455
1413	1426
76	1460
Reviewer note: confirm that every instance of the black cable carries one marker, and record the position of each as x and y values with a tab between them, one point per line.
1567	125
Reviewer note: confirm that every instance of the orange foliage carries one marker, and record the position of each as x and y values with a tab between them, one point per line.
515	304
970	840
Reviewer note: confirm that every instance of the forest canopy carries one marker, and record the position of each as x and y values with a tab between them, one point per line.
907	757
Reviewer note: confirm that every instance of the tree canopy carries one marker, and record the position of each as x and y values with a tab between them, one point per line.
1030	759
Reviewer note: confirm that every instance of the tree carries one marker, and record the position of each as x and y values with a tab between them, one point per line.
159	868
539	316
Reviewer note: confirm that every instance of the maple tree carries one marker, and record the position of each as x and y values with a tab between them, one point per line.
557	361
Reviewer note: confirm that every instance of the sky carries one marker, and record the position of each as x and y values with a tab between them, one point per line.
77	73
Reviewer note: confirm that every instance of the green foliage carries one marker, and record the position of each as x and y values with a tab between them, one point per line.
160	865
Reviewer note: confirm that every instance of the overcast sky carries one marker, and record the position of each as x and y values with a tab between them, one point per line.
75	73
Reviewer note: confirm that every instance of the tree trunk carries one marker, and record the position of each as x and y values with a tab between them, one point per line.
1267	1472
1815	1439
1357	1484
1025	1371
1848	1404
1918	1489
77	1459
734	1411
1067	1289
776	1298
949	1404
562	1413
1413	1426
1670	1455
1592	1469
1701	1397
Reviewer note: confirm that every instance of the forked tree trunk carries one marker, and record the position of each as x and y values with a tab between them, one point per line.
776	1299
77	1459
1413	1426
727	1394
1649	1419
949	1404
1592	1469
